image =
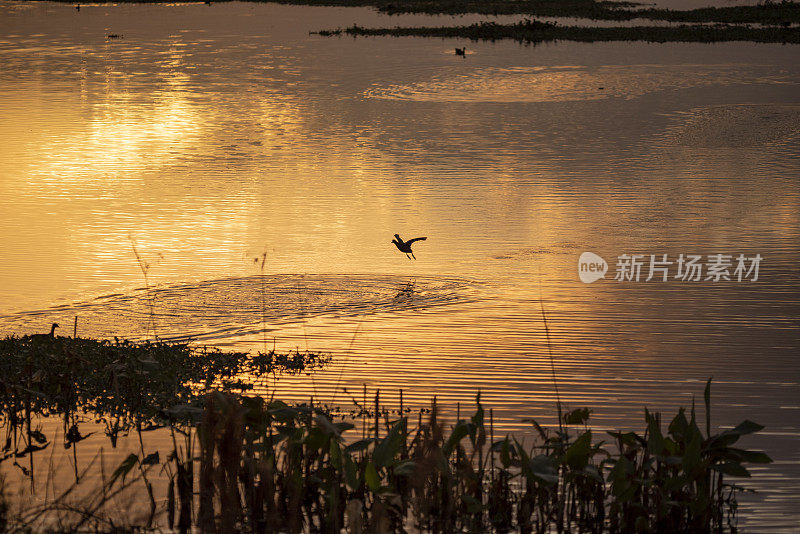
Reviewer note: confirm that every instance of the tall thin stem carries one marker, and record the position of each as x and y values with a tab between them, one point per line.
550	352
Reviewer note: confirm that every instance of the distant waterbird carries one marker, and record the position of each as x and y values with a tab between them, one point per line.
51	335
405	246
461	51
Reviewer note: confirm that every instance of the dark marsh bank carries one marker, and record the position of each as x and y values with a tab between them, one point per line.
775	22
241	463
767	22
767	12
534	31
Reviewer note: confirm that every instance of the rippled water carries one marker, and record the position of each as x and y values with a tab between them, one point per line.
217	310
209	135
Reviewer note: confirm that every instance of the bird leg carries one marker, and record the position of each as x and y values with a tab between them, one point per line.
412	255
407	256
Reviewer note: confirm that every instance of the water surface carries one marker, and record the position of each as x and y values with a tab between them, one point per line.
209	135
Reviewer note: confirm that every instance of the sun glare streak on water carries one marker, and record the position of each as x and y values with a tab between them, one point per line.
209	135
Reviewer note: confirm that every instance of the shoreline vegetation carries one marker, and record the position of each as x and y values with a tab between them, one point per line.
776	22
765	12
534	31
773	21
243	463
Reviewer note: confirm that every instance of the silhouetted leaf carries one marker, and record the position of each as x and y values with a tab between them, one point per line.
755	457
577	455
655	440
371	477
577	417
74	436
38	437
732	469
405	468
677	428
31	449
350	475
359	445
746	427
335	453
459	432
542	432
544	468
325	424
124	468
473	505
386	450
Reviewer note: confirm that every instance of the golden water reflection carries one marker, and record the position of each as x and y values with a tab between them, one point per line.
210	135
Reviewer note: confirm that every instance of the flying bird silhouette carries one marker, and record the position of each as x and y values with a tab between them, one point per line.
405	246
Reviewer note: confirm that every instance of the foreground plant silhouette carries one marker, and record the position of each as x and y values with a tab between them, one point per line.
268	467
121	387
251	464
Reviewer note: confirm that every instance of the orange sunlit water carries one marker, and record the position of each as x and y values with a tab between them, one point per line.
209	135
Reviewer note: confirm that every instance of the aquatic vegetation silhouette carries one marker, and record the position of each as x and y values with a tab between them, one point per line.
269	467
242	463
292	468
535	31
766	12
250	464
122	386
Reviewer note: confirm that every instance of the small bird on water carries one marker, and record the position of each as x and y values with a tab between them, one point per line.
405	246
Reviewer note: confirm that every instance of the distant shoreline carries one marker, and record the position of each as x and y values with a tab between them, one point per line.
533	31
776	22
769	13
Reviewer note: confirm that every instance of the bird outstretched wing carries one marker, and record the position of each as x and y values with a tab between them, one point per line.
416	239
